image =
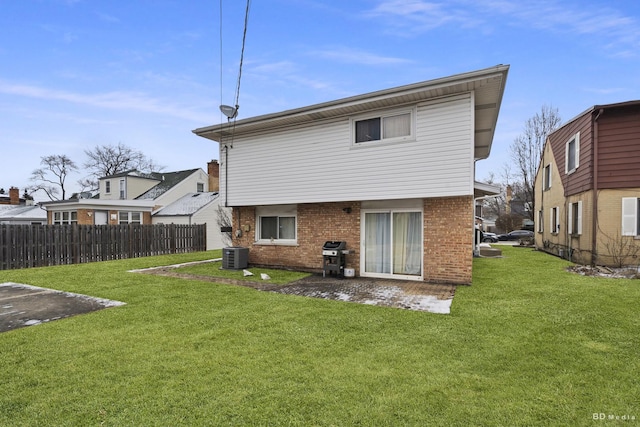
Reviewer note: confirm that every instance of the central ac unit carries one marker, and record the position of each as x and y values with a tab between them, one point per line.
235	258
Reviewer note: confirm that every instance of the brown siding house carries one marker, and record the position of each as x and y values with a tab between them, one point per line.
588	187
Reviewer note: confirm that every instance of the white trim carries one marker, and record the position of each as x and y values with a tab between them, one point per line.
390	210
629	216
382	115
277	211
575	138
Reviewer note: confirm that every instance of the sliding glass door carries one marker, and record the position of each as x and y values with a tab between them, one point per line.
393	243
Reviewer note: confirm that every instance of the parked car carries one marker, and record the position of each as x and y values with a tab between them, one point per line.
516	235
489	237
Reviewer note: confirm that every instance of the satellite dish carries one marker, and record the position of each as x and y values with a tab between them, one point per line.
229	111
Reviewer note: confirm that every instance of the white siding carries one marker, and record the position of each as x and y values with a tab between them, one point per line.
319	163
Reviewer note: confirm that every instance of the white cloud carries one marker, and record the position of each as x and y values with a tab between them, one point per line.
611	28
116	100
356	56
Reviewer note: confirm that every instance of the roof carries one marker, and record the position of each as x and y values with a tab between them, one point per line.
487	84
595	108
14	212
188	204
167	181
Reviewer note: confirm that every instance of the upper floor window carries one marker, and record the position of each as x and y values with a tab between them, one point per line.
200	187
123	189
630	217
392	126
65	217
572	154
107	187
547	177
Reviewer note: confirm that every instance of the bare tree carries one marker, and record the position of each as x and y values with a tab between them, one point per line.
526	149
51	177
105	160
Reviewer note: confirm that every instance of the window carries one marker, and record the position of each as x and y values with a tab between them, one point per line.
572	154
200	187
574	222
630	217
125	217
396	126
107	187
123	189
547	177
554	224
65	217
276	224
540	221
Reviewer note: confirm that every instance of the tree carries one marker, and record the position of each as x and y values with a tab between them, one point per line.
526	150
105	160
52	176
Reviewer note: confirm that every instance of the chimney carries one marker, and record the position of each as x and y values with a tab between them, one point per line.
508	199
14	196
213	169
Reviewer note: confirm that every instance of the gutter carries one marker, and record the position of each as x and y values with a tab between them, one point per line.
594	221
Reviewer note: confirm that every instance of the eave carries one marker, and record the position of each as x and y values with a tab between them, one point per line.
487	85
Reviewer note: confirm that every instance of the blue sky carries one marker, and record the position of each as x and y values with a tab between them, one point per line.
79	73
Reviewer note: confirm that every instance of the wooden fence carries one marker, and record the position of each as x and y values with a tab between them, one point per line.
24	246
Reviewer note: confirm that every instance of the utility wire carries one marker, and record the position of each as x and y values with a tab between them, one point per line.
244	38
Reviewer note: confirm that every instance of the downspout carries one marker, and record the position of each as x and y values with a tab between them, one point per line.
594	220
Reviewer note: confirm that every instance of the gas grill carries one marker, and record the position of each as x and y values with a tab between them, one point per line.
333	258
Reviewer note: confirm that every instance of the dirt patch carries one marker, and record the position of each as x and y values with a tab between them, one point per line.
25	305
601	271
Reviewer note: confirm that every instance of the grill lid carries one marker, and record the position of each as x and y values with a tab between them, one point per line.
335	245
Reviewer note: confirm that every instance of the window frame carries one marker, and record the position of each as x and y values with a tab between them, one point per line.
123	189
540	221
574	218
383	115
107	186
64	217
576	140
554	222
281	211
630	216
546	178
200	187
130	219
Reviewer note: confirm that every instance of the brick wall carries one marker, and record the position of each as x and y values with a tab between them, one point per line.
317	223
448	239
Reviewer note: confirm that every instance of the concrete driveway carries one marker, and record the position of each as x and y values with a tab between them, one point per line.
24	305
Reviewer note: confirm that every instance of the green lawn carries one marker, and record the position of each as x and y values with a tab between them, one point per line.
527	344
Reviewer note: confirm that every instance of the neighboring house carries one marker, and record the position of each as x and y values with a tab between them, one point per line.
13	198
588	187
195	208
20	210
391	173
22	214
136	198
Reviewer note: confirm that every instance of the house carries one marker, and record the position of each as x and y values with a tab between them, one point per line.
196	208
391	173
132	197
20	210
587	194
